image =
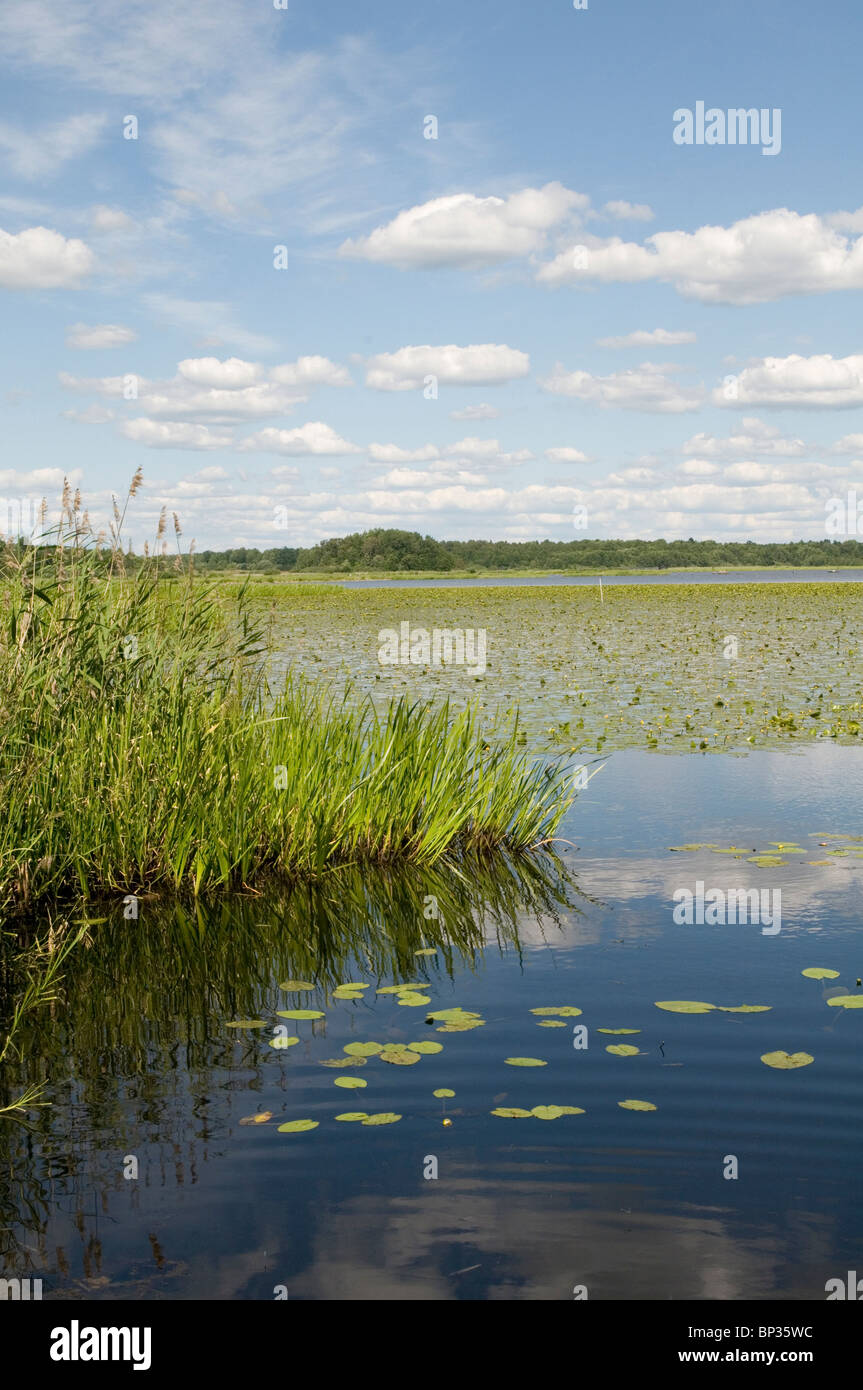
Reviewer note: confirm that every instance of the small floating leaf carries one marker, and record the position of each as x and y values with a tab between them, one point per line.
524	1062
622	1050
295	985
343	1062
399	1056
571	1110
351	1115
259	1119
299	1013
248	1023
450	1015
347	994
684	1006
847	1001
281	1041
350	1083
510	1113
461	1027
385	1118
426	1047
618	1031
636	1105
817	972
786	1061
414	1001
745	1008
547	1112
399	989
298	1126
562	1010
550	1023
363	1049
443	1093
766	861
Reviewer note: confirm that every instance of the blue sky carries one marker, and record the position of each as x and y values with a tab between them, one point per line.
552	305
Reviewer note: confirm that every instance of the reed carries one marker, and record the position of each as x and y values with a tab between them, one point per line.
141	749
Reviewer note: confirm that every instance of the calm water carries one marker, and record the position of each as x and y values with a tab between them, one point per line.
803	576
632	1205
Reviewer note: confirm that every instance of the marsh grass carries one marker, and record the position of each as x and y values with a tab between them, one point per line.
141	749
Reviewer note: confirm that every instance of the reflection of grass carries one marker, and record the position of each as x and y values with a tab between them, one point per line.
140	748
40	965
646	667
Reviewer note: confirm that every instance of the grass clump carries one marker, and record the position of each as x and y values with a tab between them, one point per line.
142	750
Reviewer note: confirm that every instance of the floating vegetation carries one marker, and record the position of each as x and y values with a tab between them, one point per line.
384	1118
296	986
350	1116
398	1056
684	1006
624	1050
818	972
363	1049
786	1061
620	1032
350	1083
343	1062
426	951
636	1105
561	1010
442	1093
425	1047
300	1013
847	1001
298	1126
550	1023
512	1113
281	1041
260	1118
414	1001
744	1008
247	1023
525	1062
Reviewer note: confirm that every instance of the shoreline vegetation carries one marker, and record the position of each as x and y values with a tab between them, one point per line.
142	750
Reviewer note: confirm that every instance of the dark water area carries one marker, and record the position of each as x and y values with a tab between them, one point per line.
777	576
631	1205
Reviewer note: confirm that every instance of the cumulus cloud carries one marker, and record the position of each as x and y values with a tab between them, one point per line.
311	371
755	260
755	437
821	382
650	387
99	335
392	453
41	259
566	455
483	364
209	371
475	412
657	337
313	438
173	434
848	444
464	231
628	212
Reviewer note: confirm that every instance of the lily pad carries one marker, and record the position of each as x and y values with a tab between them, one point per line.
260	1119
636	1105
384	1118
450	1015
619	1032
443	1093
818	972
511	1113
461	1027
363	1049
247	1023
343	1062
744	1008
550	1023
299	1013
623	1050
524	1062
546	1112
414	1001
350	1083
400	989
561	1010
766	861
398	1056
281	1042
847	1001
351	1115
295	985
684	1006
298	1126
786	1061
425	1047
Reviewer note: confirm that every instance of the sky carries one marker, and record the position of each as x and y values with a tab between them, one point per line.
450	267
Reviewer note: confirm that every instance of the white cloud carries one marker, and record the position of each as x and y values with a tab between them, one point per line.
819	382
566	455
629	212
173	434
41	259
848	444
475	412
464	231
183	397
757	259
649	387
699	468
93	415
38	154
311	371
485	364
209	371
105	219
392	453
657	337
756	437
475	448
99	335
313	438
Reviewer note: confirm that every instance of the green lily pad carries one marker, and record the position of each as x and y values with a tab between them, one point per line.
623	1050
847	1001
260	1118
524	1062
247	1023
350	1083
295	985
384	1118
298	1126
511	1113
399	989
684	1006
561	1010
425	1047
363	1049
281	1042
461	1027
413	1001
443	1093
766	861
786	1061
347	994
546	1112
343	1062
351	984
299	1013
745	1008
677	849
636	1105
398	1056
351	1115
450	1015
817	972
550	1023
619	1032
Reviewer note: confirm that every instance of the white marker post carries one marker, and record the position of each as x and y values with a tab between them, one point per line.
601	599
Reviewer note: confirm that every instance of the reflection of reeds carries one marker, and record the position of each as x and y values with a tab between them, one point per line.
140	750
38	970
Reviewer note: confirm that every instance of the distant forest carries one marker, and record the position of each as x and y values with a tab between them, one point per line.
408	550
